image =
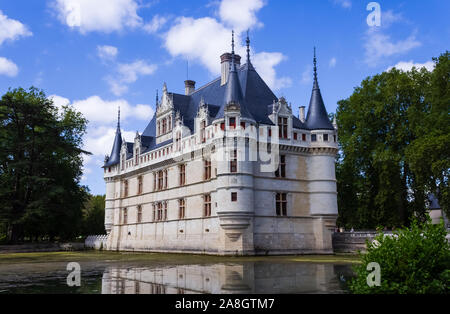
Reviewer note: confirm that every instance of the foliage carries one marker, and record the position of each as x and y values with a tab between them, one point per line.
413	261
40	166
394	137
94	216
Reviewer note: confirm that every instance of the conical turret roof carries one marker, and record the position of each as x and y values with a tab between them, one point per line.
317	118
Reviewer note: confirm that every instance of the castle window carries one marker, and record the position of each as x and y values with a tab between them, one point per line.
154	212
232	123
281	204
160	180
207	205
155	176
181	212
207	175
222	126
233	162
159	128
125	188
182	174
165	210
170	123
334	136
325	137
281	171
160	212
124	216
139	214
234	196
243	125
313	137
283	127
270	132
295	136
140	185
304	137
166	179
202	131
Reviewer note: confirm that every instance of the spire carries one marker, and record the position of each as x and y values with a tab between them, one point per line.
248	47
118	119
317	118
114	158
233	93
316	83
157	98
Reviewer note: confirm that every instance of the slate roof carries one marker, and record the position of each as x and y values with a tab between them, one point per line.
317	118
245	87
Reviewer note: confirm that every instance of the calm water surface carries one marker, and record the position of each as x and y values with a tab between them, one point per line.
110	276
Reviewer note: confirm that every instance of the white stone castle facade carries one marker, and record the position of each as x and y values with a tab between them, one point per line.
225	169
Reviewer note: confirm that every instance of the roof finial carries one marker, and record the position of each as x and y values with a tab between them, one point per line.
232	43
118	119
157	98
248	47
315	66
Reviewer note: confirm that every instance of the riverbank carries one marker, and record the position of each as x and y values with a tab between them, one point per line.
106	256
41	247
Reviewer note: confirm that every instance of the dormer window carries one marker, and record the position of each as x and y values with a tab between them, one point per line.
159	128
137	156
232	123
283	127
164	126
170	123
178	141
313	137
202	131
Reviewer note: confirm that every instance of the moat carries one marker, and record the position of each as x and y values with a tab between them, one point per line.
134	273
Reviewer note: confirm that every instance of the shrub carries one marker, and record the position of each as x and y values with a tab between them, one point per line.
412	261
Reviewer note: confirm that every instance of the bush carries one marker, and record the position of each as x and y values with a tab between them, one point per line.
412	261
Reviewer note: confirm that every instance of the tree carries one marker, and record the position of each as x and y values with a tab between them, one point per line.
40	166
94	215
394	146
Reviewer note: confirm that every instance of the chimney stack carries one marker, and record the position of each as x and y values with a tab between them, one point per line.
301	114
226	64
189	87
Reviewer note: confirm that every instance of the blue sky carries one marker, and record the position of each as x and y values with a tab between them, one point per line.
98	54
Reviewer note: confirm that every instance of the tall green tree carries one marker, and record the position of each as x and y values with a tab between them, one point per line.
40	166
394	141
94	215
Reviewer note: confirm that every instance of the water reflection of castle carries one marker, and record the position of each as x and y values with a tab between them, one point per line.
225	279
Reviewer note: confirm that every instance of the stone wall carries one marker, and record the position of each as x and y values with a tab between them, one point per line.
96	242
351	242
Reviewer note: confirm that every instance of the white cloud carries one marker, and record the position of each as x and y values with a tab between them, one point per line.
332	63
240	14
8	68
265	63
11	29
100	15
346	4
107	52
203	40
128	73
408	65
99	140
97	110
59	101
155	24
378	44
